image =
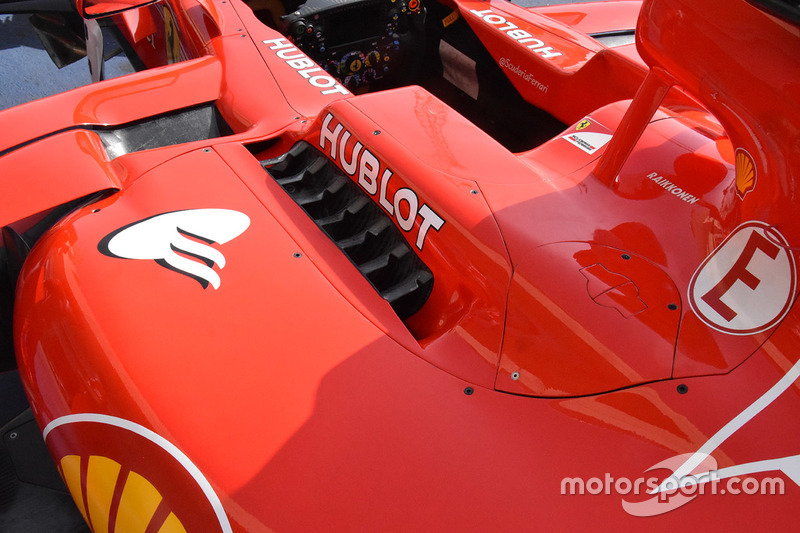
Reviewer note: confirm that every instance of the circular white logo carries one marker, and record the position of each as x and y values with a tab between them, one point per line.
747	283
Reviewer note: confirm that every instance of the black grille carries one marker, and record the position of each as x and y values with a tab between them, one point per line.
361	229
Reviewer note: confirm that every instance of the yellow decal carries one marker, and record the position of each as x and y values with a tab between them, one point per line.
583	124
451	18
70	469
101	479
136	507
745	172
172	525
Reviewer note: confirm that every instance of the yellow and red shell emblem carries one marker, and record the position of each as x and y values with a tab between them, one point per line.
125	478
745	172
138	506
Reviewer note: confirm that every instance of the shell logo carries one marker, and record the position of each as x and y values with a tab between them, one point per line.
116	499
745	172
125	478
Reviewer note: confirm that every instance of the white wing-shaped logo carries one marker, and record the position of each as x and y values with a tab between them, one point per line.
179	241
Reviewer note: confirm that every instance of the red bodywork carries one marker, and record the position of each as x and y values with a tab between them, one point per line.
614	303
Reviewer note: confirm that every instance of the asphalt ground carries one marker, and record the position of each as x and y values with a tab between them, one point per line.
27	72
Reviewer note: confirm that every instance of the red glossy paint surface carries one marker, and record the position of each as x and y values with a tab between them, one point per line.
595	17
559	328
30	169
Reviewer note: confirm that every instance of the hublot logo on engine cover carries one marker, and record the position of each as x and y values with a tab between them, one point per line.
403	204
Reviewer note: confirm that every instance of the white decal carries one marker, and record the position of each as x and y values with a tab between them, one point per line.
747	283
661	504
169	238
700	467
305	67
522	73
588	141
404	205
671	187
521	36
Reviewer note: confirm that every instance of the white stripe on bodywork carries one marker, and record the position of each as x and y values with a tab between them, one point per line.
788	465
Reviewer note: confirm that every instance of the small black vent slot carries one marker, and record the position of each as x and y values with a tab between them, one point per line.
361	229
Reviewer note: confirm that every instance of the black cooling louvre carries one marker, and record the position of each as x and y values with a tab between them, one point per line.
361	229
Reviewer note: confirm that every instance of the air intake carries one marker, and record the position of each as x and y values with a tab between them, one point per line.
361	229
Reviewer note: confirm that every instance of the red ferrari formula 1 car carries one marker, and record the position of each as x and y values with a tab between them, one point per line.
409	265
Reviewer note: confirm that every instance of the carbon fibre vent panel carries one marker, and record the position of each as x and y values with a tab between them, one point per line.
361	229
